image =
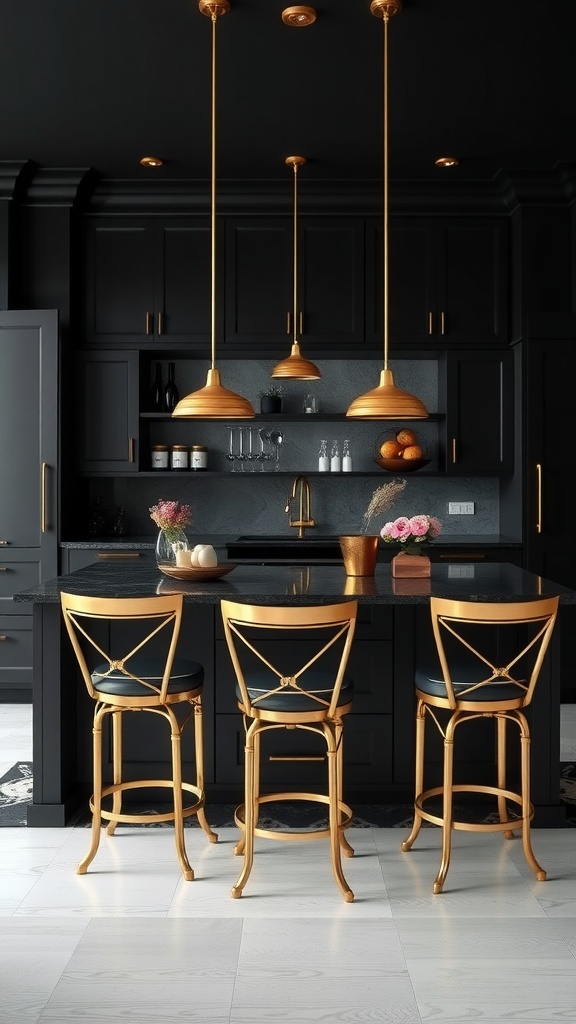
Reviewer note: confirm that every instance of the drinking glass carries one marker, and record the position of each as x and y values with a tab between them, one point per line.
231	455
241	454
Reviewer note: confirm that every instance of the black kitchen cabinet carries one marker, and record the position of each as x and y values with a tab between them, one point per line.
147	282
477	390
107	415
260	285
29	470
447	282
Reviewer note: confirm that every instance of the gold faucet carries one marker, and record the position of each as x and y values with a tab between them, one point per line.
304	518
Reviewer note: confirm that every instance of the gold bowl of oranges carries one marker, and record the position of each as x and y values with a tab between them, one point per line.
400	452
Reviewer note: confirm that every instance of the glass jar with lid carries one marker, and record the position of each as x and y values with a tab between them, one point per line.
159	456
198	457
179	457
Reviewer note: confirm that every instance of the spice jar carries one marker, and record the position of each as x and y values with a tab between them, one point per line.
198	457
179	456
159	456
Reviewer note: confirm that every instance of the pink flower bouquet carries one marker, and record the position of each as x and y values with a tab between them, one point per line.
411	532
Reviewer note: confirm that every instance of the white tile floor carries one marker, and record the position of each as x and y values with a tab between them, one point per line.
132	942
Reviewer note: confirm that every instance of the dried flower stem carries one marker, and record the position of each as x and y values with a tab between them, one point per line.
382	499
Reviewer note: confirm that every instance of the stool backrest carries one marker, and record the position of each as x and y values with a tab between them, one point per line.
330	626
83	616
460	625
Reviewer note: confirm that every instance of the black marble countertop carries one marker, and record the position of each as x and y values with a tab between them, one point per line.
220	540
305	584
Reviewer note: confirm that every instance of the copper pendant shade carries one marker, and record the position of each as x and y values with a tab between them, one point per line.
386	401
213	402
295	367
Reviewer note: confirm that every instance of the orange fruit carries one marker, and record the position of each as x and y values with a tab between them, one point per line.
412	452
390	450
406	437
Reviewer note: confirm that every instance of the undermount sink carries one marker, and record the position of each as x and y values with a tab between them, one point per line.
282	547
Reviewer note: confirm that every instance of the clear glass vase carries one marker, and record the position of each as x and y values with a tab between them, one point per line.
168	543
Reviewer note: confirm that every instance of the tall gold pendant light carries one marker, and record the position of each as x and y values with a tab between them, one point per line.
386	402
295	367
214	402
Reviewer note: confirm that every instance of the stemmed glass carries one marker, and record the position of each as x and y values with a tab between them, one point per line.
231	455
241	454
263	456
252	454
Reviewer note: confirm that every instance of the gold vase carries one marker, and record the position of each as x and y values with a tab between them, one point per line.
360	554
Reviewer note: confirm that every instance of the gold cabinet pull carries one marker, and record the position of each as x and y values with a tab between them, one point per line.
301	322
148	327
3	636
430	323
294	757
3	568
453	451
539	496
287	323
4	543
160	323
442	323
465	556
131	450
117	554
44	525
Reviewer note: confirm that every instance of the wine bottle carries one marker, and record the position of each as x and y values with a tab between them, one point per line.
157	392
171	393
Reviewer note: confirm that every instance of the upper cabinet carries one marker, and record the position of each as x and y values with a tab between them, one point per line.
147	282
447	282
477	392
260	284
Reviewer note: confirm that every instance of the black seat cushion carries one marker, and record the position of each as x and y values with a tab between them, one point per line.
185	675
429	679
292	700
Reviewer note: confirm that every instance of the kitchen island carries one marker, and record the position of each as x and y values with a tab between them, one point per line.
393	633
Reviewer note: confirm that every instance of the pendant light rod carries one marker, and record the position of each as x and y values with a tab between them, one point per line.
295	162
386	402
213	401
295	367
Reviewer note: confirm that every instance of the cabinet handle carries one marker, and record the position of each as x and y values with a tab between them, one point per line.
148	323
539	499
118	554
160	323
3	637
465	556
4	543
301	322
453	451
131	449
3	568
44	526
442	323
287	323
430	323
294	757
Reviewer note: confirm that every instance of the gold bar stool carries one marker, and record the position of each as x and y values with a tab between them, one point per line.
132	679
310	692
490	656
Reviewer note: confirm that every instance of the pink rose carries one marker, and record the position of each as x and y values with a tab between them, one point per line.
386	530
435	527
419	525
400	528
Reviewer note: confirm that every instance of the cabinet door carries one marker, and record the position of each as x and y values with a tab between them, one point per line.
478	393
331	273
472	292
411	290
29	432
258	283
182	282
107	416
119	291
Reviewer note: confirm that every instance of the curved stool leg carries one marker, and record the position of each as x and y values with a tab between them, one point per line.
526	805
177	795
419	777
96	801
334	813
446	807
247	846
501	783
116	717
199	751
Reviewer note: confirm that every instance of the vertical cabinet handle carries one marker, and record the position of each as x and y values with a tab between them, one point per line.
43	488
287	323
539	497
148	323
430	323
131	450
160	323
442	323
301	322
453	451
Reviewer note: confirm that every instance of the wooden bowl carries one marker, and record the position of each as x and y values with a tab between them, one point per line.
191	573
401	465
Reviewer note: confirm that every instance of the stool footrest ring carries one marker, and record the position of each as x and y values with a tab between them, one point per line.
468	826
346	815
152	816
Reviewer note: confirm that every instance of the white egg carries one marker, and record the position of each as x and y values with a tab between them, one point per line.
207	557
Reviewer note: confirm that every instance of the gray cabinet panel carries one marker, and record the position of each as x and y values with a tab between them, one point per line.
15	652
108	423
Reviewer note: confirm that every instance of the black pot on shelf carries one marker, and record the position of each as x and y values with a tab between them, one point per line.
270	403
